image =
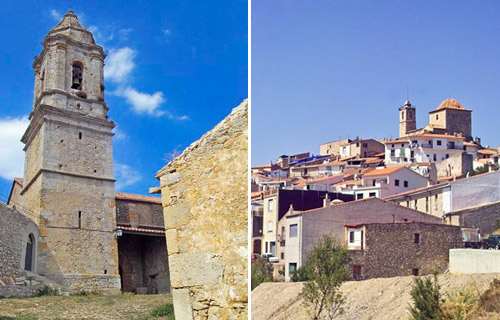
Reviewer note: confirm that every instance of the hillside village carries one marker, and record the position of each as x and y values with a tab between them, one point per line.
399	205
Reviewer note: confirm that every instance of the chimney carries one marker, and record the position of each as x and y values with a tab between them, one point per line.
326	201
290	211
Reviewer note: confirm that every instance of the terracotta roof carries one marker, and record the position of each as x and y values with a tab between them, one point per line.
142	229
487	152
415	190
472	144
381	154
384	171
373	160
450	104
262	166
137	197
414	164
348	183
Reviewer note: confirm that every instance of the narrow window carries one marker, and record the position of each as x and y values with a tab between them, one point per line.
80	135
434	157
402	115
77	76
351	236
426	204
105	271
416	238
293	230
396	182
282	256
435	202
405	184
415	204
359	196
372	194
437	116
42	79
447	156
292	266
270	226
79	219
414	272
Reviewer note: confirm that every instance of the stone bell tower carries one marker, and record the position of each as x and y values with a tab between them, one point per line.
68	174
407	119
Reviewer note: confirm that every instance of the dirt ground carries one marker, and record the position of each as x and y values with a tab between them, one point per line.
374	299
124	306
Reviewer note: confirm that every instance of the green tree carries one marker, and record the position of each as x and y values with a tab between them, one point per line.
262	271
427	299
327	270
299	275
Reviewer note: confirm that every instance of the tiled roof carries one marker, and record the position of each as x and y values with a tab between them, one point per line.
384	171
348	183
137	197
262	166
415	190
142	229
450	104
487	152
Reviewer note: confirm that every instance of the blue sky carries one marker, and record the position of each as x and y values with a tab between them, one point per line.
324	70
174	70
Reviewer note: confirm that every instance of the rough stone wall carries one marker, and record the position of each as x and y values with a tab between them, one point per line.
204	193
144	263
485	217
457	165
15	199
139	213
390	251
459	121
14	232
435	205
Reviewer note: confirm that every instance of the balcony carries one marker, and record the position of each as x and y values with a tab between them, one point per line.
452	146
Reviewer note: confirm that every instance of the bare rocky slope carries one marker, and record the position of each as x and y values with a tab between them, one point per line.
374	299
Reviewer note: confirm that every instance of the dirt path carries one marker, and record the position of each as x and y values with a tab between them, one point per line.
374	299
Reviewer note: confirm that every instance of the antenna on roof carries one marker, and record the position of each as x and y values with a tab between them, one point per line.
407	93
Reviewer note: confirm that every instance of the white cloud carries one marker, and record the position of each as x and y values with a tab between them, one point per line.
119	64
167	33
119	134
184	117
11	148
55	14
125	176
143	103
124	33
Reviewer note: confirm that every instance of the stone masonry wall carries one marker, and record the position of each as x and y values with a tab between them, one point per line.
204	194
486	217
457	165
390	249
14	231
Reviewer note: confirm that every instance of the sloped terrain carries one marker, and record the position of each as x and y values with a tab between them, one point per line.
374	299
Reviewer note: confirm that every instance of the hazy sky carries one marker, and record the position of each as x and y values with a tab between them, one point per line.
174	70
324	70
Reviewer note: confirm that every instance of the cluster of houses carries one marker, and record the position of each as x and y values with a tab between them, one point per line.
399	205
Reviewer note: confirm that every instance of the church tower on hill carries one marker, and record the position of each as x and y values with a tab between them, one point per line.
407	119
68	178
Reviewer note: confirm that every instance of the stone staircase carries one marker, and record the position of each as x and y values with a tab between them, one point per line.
36	279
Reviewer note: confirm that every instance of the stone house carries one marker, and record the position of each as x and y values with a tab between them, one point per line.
399	248
332	147
206	220
485	217
363	148
304	229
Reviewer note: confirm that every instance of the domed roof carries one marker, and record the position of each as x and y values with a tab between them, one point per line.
450	104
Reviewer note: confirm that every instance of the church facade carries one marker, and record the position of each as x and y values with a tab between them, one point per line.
88	237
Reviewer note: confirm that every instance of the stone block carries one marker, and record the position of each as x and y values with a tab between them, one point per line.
176	215
182	304
170	178
194	269
172	241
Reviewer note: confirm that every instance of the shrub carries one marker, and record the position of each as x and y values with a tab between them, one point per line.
427	299
299	275
460	304
262	271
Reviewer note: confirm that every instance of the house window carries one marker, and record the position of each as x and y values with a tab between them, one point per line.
270	205
293	230
267	247
392	145
447	156
357	144
435	202
396	182
372	194
292	267
402	115
356	271
415	204
77	76
359	196
365	145
351	236
426	204
282	256
416	238
374	182
438	142
434	157
437	116
405	184
80	135
402	145
407	204
42	79
79	219
270	226
393	153
414	272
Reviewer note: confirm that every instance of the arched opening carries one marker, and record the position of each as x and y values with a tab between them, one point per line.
30	252
77	81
